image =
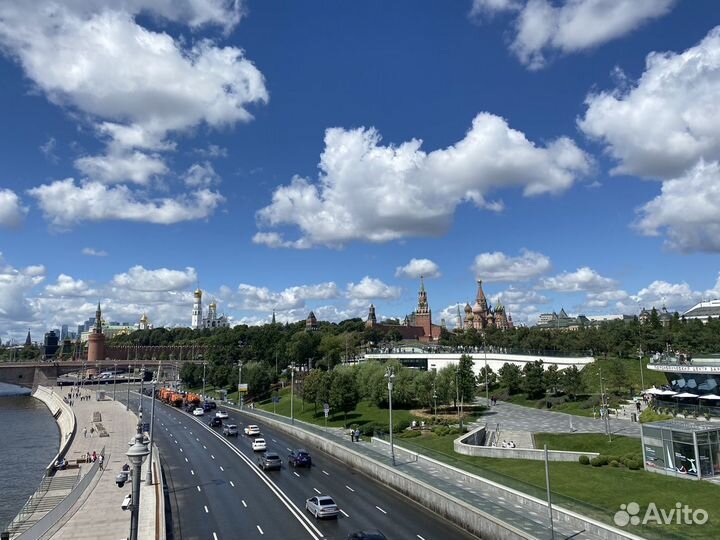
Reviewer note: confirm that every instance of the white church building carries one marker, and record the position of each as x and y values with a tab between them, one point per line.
211	320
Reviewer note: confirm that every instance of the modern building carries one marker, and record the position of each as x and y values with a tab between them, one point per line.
703	311
50	344
211	320
681	448
64	332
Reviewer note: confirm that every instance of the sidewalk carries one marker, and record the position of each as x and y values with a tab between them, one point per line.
97	514
444	479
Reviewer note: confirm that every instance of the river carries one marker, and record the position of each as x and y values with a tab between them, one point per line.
30	439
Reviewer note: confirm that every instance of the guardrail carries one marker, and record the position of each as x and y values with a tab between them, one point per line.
159	483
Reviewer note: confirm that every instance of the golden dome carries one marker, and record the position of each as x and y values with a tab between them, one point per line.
198	293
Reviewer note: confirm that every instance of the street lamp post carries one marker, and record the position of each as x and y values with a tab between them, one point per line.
605	405
203	390
114	380
241	398
128	388
136	454
148	477
391	379
142	387
292	393
487	388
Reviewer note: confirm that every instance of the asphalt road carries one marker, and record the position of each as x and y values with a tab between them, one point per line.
218	492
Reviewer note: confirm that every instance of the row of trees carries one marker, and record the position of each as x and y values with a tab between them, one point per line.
536	381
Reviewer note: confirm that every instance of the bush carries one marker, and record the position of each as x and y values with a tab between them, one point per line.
584	460
603	460
596	462
614	463
409	434
635	465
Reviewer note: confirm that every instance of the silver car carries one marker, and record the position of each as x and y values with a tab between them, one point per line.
322	506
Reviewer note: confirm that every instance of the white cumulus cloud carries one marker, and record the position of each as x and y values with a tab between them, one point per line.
92	252
498	266
583	279
256	298
67	286
161	279
201	175
369	288
12	212
125	167
418	267
367	191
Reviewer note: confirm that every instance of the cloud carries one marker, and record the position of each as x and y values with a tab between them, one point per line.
356	196
663	124
275	240
91	252
15	286
601	300
212	151
370	289
201	175
418	267
65	204
162	279
67	286
12	212
48	150
541	27
583	279
675	296
135	167
263	299
498	266
687	210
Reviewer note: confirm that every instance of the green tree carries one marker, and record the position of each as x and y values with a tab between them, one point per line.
511	378
466	379
491	377
343	391
190	375
552	378
572	382
445	385
534	379
313	386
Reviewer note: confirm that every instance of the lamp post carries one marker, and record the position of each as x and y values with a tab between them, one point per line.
391	379
142	387
487	388
203	390
128	388
136	454
434	395
114	380
292	393
241	398
605	406
148	477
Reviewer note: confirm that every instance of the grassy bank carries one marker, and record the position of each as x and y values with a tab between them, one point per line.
594	491
588	442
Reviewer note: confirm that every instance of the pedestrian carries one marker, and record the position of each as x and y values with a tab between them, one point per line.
101	459
85	432
352	435
92	430
637	405
357	435
94	456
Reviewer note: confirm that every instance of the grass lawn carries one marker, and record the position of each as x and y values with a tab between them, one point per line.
365	414
589	442
594	491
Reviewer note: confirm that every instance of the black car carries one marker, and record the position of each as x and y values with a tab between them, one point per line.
270	461
215	422
366	535
209	405
299	458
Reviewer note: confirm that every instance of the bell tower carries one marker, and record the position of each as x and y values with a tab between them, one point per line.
423	315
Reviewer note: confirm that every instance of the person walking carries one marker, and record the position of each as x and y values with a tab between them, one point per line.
101	458
85	432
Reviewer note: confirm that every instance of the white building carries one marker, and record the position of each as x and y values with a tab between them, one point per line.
703	311
211	320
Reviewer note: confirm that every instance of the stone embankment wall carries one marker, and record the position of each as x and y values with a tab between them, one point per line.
64	417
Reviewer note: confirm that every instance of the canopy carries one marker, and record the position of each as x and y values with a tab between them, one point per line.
654	391
667	393
685	395
710	396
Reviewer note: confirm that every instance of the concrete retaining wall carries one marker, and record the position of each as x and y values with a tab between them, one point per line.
64	417
457	511
159	482
513	453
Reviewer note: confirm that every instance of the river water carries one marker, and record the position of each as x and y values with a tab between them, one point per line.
29	439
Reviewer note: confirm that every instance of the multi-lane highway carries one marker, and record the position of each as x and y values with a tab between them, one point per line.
217	491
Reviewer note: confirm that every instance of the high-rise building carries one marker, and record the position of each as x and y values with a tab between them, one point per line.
64	331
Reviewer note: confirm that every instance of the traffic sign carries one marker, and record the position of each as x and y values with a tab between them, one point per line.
276	399
243	387
326	409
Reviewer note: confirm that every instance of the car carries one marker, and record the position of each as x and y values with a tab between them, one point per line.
222	414
259	445
366	535
197	411
252	430
215	422
270	461
210	405
299	458
322	506
230	430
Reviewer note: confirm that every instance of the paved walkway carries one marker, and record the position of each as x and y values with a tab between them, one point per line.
98	515
513	417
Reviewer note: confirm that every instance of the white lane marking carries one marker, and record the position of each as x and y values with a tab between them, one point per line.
223	470
231	483
274	440
296	474
289	449
205	447
199	488
181	450
326	473
206	510
259	529
244	503
383	511
192	472
185	427
344	514
308	525
317	491
212	456
198	440
186	460
420	537
175	441
190	432
351	489
215	536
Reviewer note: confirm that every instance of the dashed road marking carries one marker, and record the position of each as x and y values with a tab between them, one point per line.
199	488
215	536
212	456
326	473
274	440
223	470
232	484
205	447
186	460
206	510
244	503
383	511
343	513
259	529
296	474
181	450
420	537
351	489
317	491
192	472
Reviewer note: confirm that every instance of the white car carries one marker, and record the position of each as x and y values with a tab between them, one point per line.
322	506
252	430
258	445
198	411
221	414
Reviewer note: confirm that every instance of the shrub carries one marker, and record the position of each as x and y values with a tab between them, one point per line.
596	462
409	434
584	460
635	465
614	463
402	425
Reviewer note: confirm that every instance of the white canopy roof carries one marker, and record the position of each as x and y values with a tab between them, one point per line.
685	395
667	393
710	396
653	390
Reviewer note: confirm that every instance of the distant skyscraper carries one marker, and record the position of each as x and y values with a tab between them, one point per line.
64	331
28	341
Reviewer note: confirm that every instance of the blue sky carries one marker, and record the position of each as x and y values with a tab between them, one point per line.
322	155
